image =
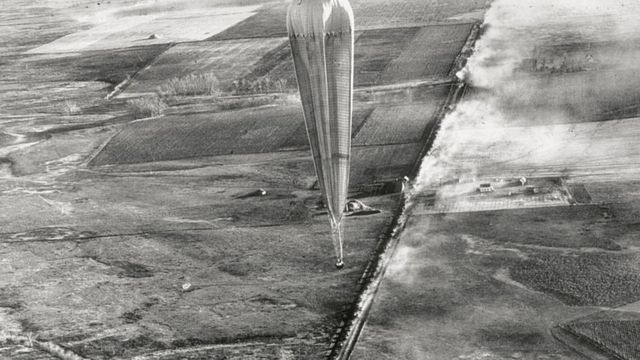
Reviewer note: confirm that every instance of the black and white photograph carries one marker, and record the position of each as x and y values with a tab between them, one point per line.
320	179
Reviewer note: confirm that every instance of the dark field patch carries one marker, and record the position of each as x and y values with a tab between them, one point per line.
271	60
176	137
384	56
560	227
385	13
587	279
270	21
397	124
587	96
431	53
375	49
615	337
579	193
111	66
580	56
131	270
299	140
226	60
372	163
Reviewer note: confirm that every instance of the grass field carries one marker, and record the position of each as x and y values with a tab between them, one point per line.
283	69
248	131
397	124
381	13
45	84
26	26
553	227
614	333
111	66
598	279
580	96
581	56
371	164
381	57
299	138
270	20
375	49
227	60
176	137
430	54
115	30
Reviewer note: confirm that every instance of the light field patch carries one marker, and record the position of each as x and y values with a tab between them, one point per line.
227	60
154	28
584	149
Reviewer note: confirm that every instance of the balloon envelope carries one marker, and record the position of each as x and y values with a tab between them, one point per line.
321	37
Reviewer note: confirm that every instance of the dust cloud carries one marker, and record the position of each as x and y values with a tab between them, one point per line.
540	70
538	63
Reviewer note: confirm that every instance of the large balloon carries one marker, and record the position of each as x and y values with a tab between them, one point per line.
321	36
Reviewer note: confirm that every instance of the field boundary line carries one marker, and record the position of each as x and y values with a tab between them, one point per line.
362	28
346	336
406	85
349	333
456	94
174	352
126	82
583	348
30	340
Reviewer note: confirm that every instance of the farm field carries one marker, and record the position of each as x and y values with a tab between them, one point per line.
227	61
570	98
382	57
523	280
171	137
588	148
613	332
125	238
389	56
250	131
435	60
117	31
299	140
375	49
270	20
376	164
52	90
445	287
187	218
397	124
545	272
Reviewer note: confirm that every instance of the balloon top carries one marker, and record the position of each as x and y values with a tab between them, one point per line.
319	17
